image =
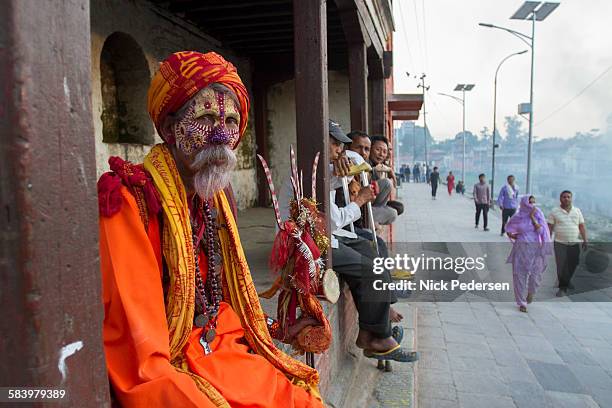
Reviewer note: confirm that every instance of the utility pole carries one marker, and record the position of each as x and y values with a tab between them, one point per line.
425	88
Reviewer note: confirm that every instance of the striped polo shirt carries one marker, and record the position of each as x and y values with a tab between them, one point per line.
565	224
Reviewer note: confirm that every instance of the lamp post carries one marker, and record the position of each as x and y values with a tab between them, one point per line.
534	11
463	88
495	120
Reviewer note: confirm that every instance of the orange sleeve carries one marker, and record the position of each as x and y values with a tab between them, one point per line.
135	328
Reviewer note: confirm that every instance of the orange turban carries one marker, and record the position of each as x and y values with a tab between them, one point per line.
184	74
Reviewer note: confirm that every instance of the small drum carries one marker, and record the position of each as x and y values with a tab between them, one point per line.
330	286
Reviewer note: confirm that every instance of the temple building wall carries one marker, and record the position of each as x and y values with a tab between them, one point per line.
128	40
281	120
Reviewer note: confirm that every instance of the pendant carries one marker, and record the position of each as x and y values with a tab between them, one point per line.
201	320
210	335
205	345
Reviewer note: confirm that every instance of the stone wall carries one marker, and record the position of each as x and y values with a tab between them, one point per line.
281	119
155	35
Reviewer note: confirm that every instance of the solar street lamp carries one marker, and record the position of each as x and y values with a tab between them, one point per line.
534	11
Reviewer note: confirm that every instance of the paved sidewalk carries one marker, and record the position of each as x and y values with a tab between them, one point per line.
476	353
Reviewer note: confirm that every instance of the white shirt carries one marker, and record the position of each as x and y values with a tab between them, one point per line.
342	216
565	224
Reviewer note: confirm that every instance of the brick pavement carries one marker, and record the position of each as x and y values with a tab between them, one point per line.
476	353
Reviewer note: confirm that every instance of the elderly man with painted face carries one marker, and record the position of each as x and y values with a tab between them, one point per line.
183	322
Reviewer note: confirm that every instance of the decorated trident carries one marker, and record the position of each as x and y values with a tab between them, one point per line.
297	256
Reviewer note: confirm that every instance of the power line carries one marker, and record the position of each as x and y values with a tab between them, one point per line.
560	108
405	30
425	36
418	30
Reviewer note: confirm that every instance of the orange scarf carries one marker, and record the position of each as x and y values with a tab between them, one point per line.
238	288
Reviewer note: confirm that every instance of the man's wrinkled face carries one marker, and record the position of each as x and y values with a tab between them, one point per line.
361	145
511	181
211	118
379	152
205	135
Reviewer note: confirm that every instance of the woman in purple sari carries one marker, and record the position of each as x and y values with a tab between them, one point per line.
531	245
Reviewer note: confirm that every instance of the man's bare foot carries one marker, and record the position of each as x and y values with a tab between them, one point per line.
366	341
395	316
300	323
363	339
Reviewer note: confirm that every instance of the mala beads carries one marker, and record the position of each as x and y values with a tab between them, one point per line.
208	294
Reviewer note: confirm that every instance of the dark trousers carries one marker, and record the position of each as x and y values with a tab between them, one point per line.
353	260
434	189
367	234
567	257
506	214
484	208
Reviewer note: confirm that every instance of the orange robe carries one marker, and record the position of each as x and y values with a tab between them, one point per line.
136	333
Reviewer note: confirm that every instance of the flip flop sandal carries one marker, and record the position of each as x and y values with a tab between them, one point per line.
397	353
397	332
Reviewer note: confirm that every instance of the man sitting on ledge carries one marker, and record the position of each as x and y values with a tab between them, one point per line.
183	326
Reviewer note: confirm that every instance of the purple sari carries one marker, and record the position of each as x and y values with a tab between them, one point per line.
529	250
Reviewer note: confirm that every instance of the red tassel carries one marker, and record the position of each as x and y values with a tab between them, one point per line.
134	176
281	250
109	194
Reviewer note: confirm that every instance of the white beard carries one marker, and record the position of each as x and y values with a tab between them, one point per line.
210	177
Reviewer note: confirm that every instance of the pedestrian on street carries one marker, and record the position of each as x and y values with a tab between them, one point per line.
531	246
417	173
450	183
460	189
567	224
507	200
407	173
482	199
434	179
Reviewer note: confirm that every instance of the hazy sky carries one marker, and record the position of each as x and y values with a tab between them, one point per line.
573	46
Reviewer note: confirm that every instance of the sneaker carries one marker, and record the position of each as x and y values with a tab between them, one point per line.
561	292
501	235
486	229
476	226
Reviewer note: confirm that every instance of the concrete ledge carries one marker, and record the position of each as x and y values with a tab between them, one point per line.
338	365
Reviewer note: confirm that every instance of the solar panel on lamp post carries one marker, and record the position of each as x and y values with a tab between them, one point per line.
534	11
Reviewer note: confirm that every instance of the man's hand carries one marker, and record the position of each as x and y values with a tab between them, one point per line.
585	245
365	195
374	186
511	235
341	166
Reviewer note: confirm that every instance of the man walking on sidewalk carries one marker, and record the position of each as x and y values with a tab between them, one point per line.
567	224
434	179
508	201
482	199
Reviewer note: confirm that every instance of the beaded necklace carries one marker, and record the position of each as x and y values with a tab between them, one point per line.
208	294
